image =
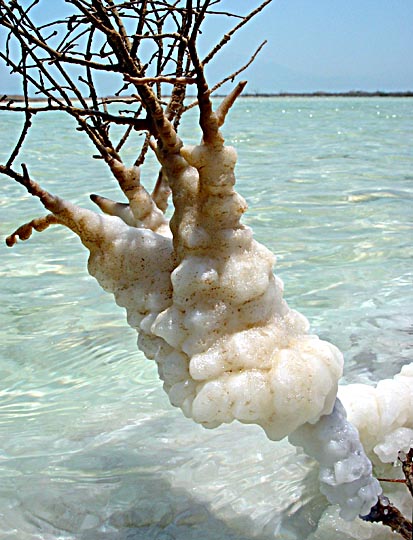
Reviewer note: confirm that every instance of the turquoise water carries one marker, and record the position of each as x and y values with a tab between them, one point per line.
90	447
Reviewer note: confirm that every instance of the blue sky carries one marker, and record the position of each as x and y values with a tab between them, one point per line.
330	45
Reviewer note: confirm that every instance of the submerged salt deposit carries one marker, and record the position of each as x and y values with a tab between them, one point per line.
110	382
345	470
382	414
207	306
210	312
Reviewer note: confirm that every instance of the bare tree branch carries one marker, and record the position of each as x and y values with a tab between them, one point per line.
161	79
61	59
25	231
234	30
27	113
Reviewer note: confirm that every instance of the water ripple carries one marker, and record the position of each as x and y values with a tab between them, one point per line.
90	447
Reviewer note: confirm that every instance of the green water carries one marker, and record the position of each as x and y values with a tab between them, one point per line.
90	447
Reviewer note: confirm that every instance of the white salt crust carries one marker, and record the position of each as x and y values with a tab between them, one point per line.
383	414
227	345
345	470
210	312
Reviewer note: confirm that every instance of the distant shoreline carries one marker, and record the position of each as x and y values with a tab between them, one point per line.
351	93
318	94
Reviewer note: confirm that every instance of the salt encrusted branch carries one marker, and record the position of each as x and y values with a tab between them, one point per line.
131	67
86	224
24	232
228	102
107	19
209	309
54	204
207	118
161	191
384	512
407	468
142	210
113	208
50	202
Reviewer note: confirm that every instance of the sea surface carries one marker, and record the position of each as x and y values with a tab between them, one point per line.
90	447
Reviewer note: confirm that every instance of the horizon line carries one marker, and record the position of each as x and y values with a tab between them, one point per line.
317	93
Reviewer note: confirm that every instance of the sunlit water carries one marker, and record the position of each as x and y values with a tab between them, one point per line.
90	447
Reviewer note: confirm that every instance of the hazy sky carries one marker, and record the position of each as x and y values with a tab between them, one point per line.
331	45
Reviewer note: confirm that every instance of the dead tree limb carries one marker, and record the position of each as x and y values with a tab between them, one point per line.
60	60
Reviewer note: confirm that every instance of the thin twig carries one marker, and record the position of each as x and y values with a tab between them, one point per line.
27	122
229	35
229	77
161	79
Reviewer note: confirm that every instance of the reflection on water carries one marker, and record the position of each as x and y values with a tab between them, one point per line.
90	447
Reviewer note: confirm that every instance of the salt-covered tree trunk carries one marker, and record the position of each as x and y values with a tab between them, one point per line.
200	290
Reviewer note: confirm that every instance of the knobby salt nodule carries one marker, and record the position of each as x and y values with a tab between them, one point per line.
199	289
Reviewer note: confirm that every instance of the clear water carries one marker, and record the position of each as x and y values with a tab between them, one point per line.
90	447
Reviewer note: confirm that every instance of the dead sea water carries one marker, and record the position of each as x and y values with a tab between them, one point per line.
90	447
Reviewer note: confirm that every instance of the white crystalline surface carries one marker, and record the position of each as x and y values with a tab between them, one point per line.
379	425
383	414
208	308
202	296
345	470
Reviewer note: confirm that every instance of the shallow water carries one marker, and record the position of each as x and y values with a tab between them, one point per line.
90	446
